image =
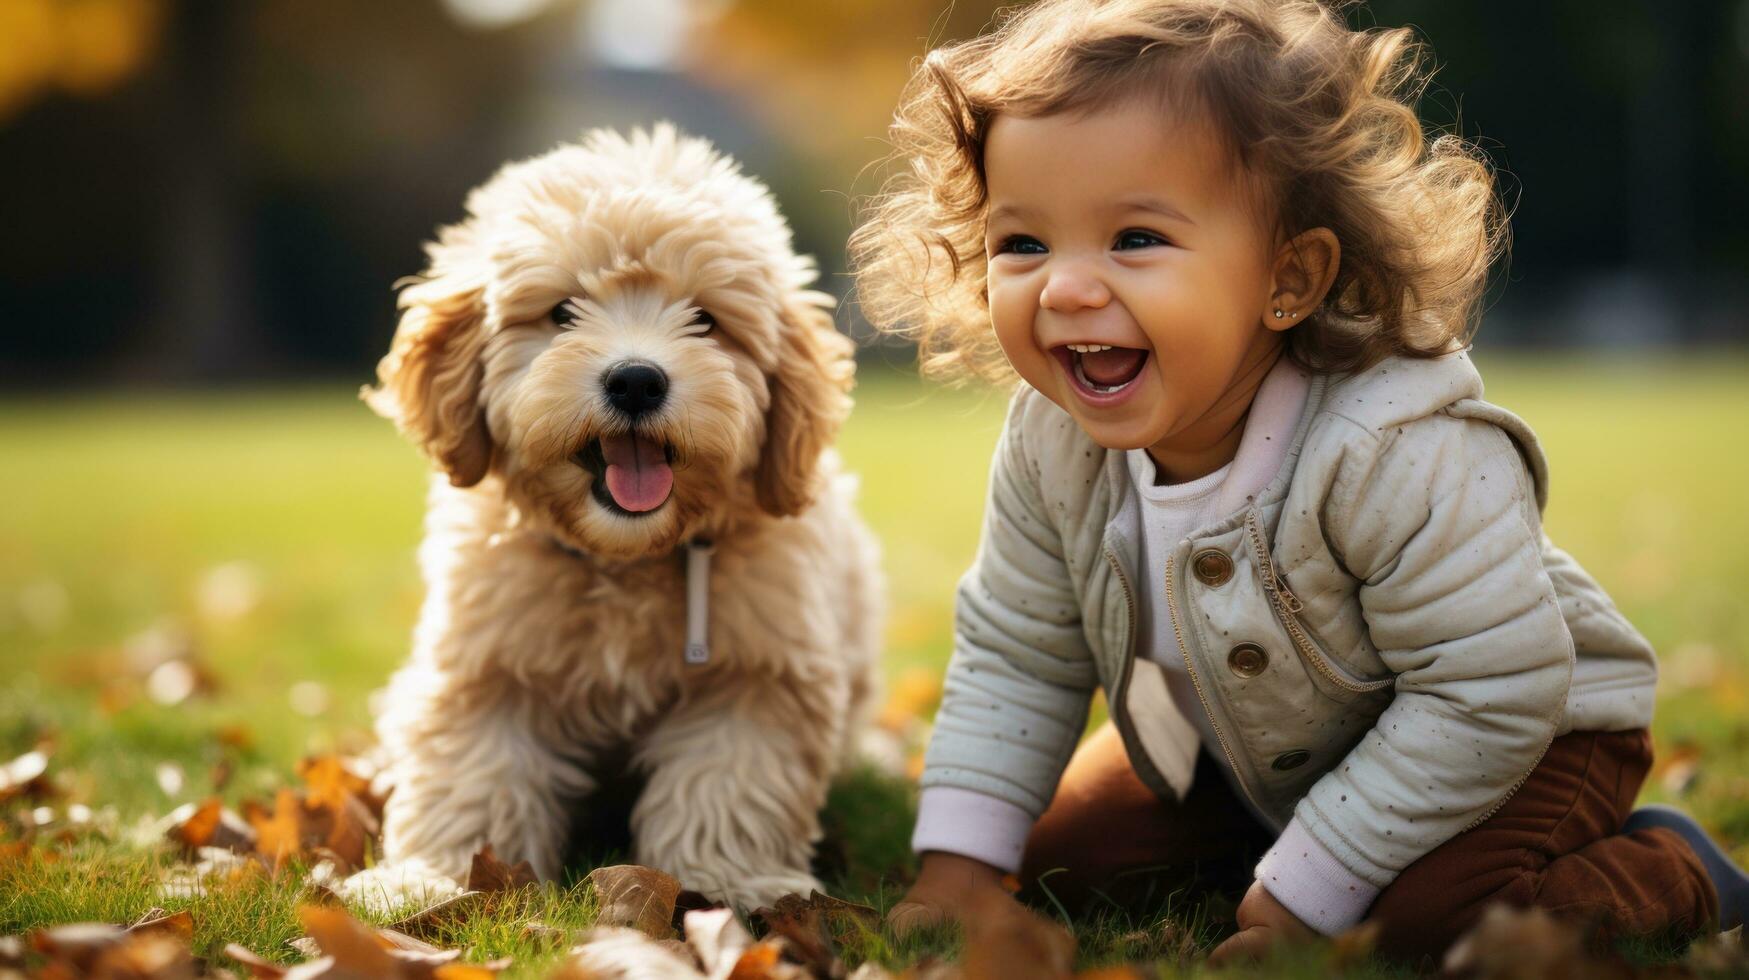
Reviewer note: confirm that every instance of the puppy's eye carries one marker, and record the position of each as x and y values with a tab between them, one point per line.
701	318
564	314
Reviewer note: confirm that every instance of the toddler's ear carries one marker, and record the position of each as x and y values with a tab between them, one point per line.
429	382
1304	267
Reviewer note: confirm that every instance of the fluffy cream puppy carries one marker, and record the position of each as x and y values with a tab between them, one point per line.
614	359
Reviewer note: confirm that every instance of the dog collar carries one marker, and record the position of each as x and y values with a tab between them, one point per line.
698	594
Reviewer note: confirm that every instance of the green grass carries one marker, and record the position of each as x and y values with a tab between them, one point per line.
116	507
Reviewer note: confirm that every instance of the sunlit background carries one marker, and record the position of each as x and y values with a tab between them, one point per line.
206	541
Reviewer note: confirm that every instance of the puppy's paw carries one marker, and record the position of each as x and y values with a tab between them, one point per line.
751	891
389	887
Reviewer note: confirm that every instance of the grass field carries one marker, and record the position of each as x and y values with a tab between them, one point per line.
272	533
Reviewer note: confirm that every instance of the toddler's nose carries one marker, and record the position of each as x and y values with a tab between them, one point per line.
1070	288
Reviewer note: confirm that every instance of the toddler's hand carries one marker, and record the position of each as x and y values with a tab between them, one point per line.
1263	923
947	885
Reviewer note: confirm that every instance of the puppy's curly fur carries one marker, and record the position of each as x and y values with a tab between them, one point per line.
554	624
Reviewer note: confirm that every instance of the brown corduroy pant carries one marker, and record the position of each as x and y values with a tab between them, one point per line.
1554	845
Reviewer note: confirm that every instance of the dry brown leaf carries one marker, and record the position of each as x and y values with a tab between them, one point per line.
489	874
1720	953
618	953
642	898
195	830
449	912
1006	942
11	953
25	777
209	824
176	925
1526	944
816	925
77	944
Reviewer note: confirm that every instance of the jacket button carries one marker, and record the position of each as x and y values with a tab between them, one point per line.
1212	566
1290	760
1248	660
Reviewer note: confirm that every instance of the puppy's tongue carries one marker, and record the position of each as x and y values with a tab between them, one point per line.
638	475
1112	367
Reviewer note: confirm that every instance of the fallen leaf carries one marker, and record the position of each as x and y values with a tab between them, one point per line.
25	777
815	927
330	782
617	953
1720	953
176	925
629	895
279	833
489	874
450	912
348	941
209	824
1526	944
717	939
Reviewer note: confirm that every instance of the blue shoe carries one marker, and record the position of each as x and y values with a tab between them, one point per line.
1728	879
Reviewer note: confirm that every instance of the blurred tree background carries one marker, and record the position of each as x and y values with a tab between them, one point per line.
211	191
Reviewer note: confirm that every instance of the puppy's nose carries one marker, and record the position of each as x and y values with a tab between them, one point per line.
635	388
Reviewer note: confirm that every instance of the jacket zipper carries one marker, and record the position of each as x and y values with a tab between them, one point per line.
1201	695
1129	662
1286	605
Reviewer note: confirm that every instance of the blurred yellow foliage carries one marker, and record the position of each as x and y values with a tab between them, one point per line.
828	74
84	47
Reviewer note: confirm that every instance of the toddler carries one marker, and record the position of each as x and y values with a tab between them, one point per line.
1251	488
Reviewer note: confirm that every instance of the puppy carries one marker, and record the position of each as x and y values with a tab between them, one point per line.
616	364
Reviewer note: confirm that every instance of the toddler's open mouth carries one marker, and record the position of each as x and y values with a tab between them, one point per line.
1102	373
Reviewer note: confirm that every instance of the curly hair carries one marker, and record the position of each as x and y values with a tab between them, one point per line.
1321	115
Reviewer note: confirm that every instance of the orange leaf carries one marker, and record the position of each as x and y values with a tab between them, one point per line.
353	946
198	829
277	835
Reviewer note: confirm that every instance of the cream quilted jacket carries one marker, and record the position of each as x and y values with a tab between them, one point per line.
1384	639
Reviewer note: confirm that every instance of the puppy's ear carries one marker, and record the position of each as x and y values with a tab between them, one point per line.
809	401
429	382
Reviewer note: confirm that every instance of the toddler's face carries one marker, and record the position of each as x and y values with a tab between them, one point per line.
1126	229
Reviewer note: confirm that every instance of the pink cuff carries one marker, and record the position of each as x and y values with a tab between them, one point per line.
1302	875
972	824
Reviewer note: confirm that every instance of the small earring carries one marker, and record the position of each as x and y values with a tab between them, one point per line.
1295	313
1279	314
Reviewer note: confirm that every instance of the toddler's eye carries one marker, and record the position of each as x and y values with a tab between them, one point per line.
564	314
1137	238
1021	245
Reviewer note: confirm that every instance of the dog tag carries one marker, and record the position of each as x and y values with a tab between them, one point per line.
698	591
